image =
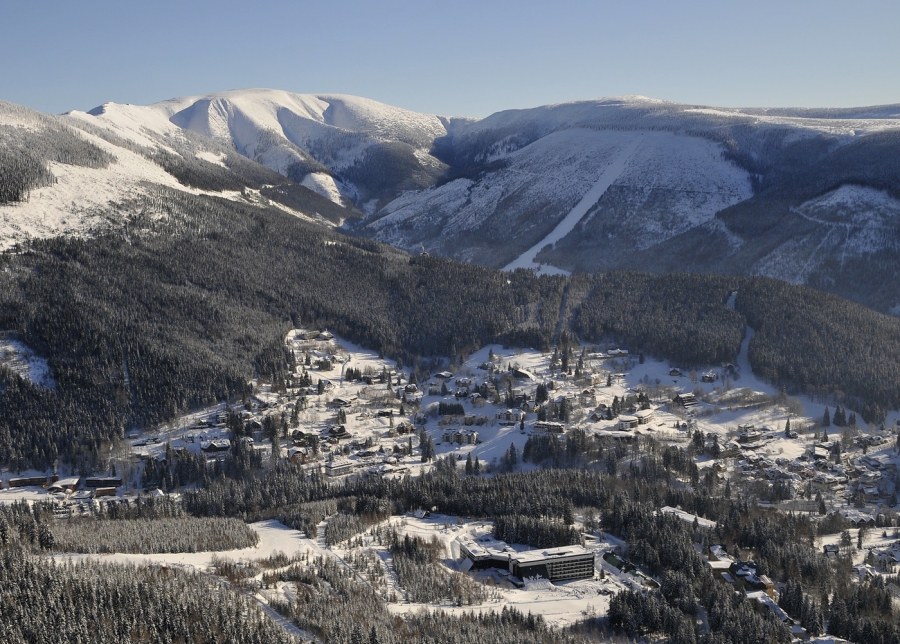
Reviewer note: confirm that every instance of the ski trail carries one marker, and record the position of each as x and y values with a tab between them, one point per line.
563	228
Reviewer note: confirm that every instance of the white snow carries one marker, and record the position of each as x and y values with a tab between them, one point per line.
324	185
212	157
563	228
22	360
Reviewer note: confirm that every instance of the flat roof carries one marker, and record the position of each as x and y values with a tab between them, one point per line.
534	556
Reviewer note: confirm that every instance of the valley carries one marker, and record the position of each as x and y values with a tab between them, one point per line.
258	351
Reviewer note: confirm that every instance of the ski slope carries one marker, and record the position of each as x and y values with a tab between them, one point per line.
612	172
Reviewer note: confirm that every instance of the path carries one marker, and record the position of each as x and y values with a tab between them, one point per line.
563	228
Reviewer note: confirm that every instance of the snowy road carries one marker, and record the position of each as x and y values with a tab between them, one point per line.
612	172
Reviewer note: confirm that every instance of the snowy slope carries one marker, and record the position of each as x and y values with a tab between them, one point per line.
296	135
807	195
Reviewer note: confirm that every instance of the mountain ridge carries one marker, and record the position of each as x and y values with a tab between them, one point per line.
710	189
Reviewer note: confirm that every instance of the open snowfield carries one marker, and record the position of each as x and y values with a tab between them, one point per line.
23	361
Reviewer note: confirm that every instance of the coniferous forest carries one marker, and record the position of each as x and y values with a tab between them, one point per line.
185	303
180	305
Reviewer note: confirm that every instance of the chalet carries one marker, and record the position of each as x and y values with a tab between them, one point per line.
444	375
297	454
831	550
675	373
709	376
103	491
627	422
338	431
685	400
221	445
617	353
644	416
64	485
103	481
338	467
552	428
411	388
341	402
522	374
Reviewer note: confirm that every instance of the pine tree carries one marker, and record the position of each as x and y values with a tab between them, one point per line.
826	418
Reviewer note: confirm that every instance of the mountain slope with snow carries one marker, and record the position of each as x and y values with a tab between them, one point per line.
729	190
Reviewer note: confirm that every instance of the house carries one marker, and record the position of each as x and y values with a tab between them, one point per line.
685	400
709	376
627	422
338	431
831	550
675	373
213	446
297	455
342	402
522	374
444	375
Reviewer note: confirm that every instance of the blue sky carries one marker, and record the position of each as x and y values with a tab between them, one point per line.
455	58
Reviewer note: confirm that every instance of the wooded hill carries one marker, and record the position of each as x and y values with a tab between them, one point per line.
192	297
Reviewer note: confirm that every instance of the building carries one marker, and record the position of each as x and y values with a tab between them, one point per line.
103	481
627	422
460	436
27	481
552	428
685	400
338	467
510	416
644	416
568	562
553	564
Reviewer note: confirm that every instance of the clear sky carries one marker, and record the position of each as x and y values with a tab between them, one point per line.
454	58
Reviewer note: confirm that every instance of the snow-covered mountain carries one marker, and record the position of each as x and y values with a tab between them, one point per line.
807	195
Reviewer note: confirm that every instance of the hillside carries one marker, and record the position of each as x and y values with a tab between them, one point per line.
810	196
804	195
